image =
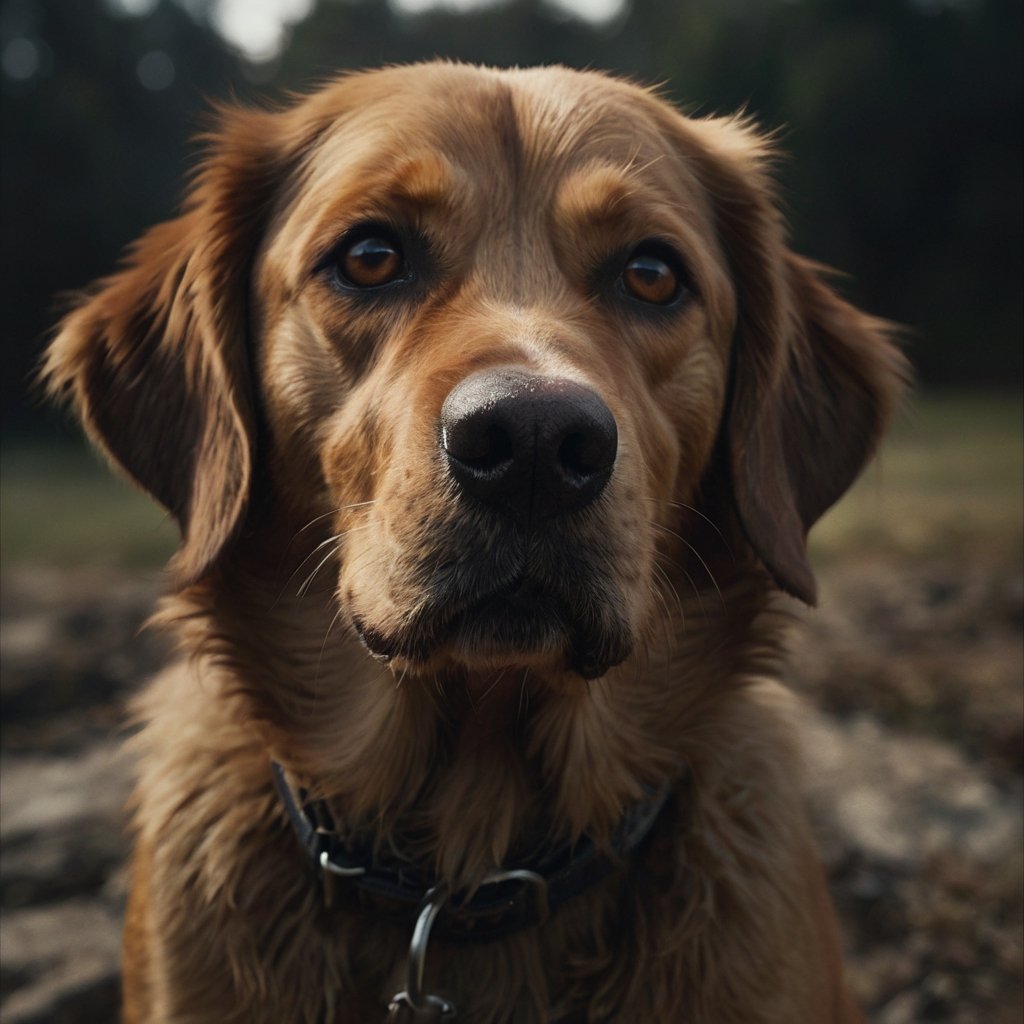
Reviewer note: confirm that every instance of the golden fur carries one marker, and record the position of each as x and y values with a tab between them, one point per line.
290	426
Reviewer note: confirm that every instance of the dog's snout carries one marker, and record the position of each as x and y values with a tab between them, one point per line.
530	447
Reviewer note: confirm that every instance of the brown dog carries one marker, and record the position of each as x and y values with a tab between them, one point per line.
494	411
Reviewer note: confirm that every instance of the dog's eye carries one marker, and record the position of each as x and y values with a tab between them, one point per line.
370	260
649	276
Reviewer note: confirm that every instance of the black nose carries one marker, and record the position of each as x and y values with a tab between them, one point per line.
529	447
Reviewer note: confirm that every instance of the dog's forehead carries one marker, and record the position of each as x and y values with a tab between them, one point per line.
537	123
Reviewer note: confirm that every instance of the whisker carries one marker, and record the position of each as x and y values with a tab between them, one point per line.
666	579
308	582
498	679
284	587
631	166
697	555
302	529
523	694
323	647
689	579
697	512
666	617
660	557
336	540
334	512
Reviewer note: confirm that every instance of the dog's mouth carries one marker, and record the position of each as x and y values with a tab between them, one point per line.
518	567
522	624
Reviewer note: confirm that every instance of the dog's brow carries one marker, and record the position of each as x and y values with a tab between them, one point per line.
426	179
595	194
415	184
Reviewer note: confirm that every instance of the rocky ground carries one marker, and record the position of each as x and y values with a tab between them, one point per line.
913	674
915	751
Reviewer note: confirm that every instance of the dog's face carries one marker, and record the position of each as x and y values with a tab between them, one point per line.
501	343
497	320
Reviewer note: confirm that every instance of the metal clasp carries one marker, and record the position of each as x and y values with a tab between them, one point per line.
539	883
330	872
326	864
413	1004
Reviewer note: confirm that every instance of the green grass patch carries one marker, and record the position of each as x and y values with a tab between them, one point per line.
948	480
62	505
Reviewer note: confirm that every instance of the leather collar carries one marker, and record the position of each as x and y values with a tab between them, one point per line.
508	900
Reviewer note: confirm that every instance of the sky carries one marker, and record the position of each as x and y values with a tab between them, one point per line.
591	10
258	27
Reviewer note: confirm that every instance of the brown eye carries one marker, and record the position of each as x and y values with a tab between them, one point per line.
370	262
649	278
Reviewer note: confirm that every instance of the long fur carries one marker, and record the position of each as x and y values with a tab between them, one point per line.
291	428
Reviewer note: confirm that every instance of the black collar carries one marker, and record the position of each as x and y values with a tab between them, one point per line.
507	901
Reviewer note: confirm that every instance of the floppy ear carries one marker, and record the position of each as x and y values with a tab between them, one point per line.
814	380
154	359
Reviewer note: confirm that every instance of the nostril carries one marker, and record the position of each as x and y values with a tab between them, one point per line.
582	453
480	446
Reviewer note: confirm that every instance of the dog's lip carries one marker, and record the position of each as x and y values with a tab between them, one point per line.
379	644
546	627
422	637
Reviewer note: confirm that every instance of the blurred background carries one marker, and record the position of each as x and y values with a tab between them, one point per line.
901	121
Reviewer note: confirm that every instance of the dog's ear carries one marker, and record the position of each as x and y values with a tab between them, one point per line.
154	359
814	380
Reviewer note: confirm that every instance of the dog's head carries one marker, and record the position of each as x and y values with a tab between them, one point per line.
507	336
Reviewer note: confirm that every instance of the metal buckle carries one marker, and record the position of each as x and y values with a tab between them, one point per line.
421	1005
538	882
327	864
330	871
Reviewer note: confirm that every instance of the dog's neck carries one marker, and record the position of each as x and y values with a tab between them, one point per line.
468	774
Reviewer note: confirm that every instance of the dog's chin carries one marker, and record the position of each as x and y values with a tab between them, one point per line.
526	630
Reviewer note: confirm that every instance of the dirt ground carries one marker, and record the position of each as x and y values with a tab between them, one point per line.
912	670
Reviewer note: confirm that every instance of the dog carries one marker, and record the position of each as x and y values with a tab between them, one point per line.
494	409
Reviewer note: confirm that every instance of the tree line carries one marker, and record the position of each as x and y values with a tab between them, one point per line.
901	121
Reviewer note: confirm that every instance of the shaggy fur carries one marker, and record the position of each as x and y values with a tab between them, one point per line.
290	425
